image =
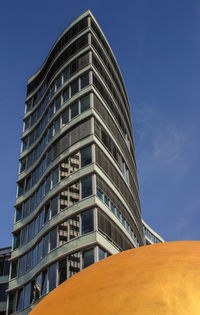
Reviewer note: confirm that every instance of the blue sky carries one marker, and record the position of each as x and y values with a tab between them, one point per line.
157	46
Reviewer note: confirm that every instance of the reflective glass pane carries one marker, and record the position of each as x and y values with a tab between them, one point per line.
88	257
74	87
86	156
87	221
84	80
52	277
86	186
74	110
85	103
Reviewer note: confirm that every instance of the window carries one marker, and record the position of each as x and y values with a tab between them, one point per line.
41	219
24	143
65	117
48	184
22	264
54	206
106	200
14	267
29	260
50	134
74	87
18	213
11	302
51	110
86	186
16	240
20	188
20	300
66	94
86	156
74	163
49	157
45	245
53	238
22	165
74	227
102	253
85	103
56	126
118	214
74	193
87	221
112	208
26	208
27	293
44	283
30	231
58	82
74	110
39	250
3	288
24	235
55	176
35	258
84	80
63	233
88	257
62	270
52	277
47	213
66	74
99	194
58	102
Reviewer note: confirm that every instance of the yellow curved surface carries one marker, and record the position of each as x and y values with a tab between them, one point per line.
159	279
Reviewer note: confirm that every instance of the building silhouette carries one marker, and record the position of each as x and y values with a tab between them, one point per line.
77	190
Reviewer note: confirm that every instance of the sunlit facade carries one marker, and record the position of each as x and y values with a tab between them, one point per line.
77	196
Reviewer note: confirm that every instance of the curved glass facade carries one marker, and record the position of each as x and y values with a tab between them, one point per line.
77	191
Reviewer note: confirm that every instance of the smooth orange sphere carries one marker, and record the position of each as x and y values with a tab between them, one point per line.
159	279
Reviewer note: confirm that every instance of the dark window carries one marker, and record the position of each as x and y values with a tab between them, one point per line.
24	235
106	200
53	238
11	302
27	295
62	270
74	87
37	225
85	103
26	208
112	208
86	186
39	250
74	110
87	221
99	194
88	257
35	256
66	74
51	110
58	82
22	264
66	94
56	126
14	267
44	283
52	277
20	300
58	102
48	184
54	206
102	253
16	240
86	156
50	134
3	288
55	176
47	213
45	245
84	80
65	117
18	213
29	261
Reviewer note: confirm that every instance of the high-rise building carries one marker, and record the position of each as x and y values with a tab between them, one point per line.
4	277
150	236
77	196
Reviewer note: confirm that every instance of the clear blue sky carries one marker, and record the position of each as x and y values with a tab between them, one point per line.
157	45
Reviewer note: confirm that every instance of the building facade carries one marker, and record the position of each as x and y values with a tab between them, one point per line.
77	196
150	236
4	277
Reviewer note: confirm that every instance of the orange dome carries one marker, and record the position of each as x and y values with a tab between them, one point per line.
159	279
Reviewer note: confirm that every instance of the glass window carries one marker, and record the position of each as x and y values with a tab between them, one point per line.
52	277
85	103
18	213
44	283
74	163
3	288
65	117
87	221
58	102
49	157
86	156
74	227
63	233
29	260
16	240
54	206
99	194
50	134
58	82
86	186
66	74
84	80
41	219
56	126
112	208
74	87
102	253
24	235
40	250
27	295
11	302
20	300
55	176
47	213
35	258
28	105
30	230
106	200
24	143
74	110
48	184
14	267
118	214
62	270
51	110
22	264
45	245
22	165
53	238
20	188
66	94
88	257
74	193
36	225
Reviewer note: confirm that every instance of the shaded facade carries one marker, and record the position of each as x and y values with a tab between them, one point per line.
150	236
77	196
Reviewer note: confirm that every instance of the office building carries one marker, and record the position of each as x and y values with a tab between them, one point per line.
77	190
4	277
